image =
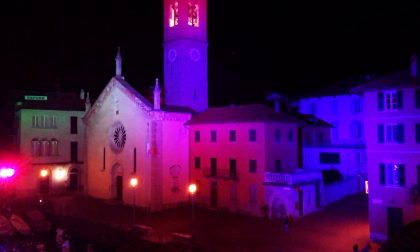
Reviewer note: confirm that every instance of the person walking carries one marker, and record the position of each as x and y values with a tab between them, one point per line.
356	248
286	224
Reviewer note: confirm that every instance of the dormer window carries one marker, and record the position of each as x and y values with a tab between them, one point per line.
193	19
173	14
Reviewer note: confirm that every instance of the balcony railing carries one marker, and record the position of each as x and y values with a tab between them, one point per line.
221	173
298	177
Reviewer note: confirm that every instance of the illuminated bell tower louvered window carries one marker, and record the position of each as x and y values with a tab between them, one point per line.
185	54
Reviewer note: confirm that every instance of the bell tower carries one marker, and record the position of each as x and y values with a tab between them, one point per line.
185	53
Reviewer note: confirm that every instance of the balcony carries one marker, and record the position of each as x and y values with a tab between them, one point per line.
220	174
296	178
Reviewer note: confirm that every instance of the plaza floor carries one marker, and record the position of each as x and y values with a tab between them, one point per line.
337	227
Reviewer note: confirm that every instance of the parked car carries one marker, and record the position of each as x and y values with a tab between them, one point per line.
6	230
37	220
20	225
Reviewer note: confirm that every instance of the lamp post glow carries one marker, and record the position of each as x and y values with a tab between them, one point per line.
43	173
192	188
133	183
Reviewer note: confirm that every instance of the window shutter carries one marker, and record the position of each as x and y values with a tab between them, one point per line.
381	101
382	174
400	133
417	132
399	99
417	98
380	133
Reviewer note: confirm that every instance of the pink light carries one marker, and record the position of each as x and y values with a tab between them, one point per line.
7	172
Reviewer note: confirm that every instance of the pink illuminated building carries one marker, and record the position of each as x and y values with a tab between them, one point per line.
245	159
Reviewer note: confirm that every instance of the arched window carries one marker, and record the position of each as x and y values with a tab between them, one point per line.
54	147
173	14
46	150
35	147
193	19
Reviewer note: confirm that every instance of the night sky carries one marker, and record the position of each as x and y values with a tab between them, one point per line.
295	48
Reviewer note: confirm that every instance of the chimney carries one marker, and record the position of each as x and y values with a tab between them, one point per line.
156	96
82	94
87	102
414	67
118	64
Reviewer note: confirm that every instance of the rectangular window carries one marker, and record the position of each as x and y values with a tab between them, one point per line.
213	136
390	100
253	166
252	194
417	98
394	133
134	160
33	121
232	135
197	163
232	168
356	106
329	158
278	166
392	175
103	160
213	167
252	135
290	136
417	132
197	136
73	125
277	136
73	152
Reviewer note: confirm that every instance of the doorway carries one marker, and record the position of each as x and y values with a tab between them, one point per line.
73	185
213	195
395	220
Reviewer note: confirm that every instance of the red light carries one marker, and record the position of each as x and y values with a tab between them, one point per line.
7	172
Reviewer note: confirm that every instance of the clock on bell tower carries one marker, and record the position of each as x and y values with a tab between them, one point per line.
185	53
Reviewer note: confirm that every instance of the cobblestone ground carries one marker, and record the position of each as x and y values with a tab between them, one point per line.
109	226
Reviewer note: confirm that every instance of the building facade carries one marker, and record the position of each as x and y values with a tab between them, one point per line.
392	118
50	141
245	159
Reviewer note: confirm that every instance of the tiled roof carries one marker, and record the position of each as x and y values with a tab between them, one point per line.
241	113
312	120
399	79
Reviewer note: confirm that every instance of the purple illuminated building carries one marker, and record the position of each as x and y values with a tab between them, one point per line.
392	126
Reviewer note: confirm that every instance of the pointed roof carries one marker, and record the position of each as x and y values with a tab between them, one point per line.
136	97
242	113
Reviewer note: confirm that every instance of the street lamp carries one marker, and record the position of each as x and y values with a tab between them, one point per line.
192	188
133	183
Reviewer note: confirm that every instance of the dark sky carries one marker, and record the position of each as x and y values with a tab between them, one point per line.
291	47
